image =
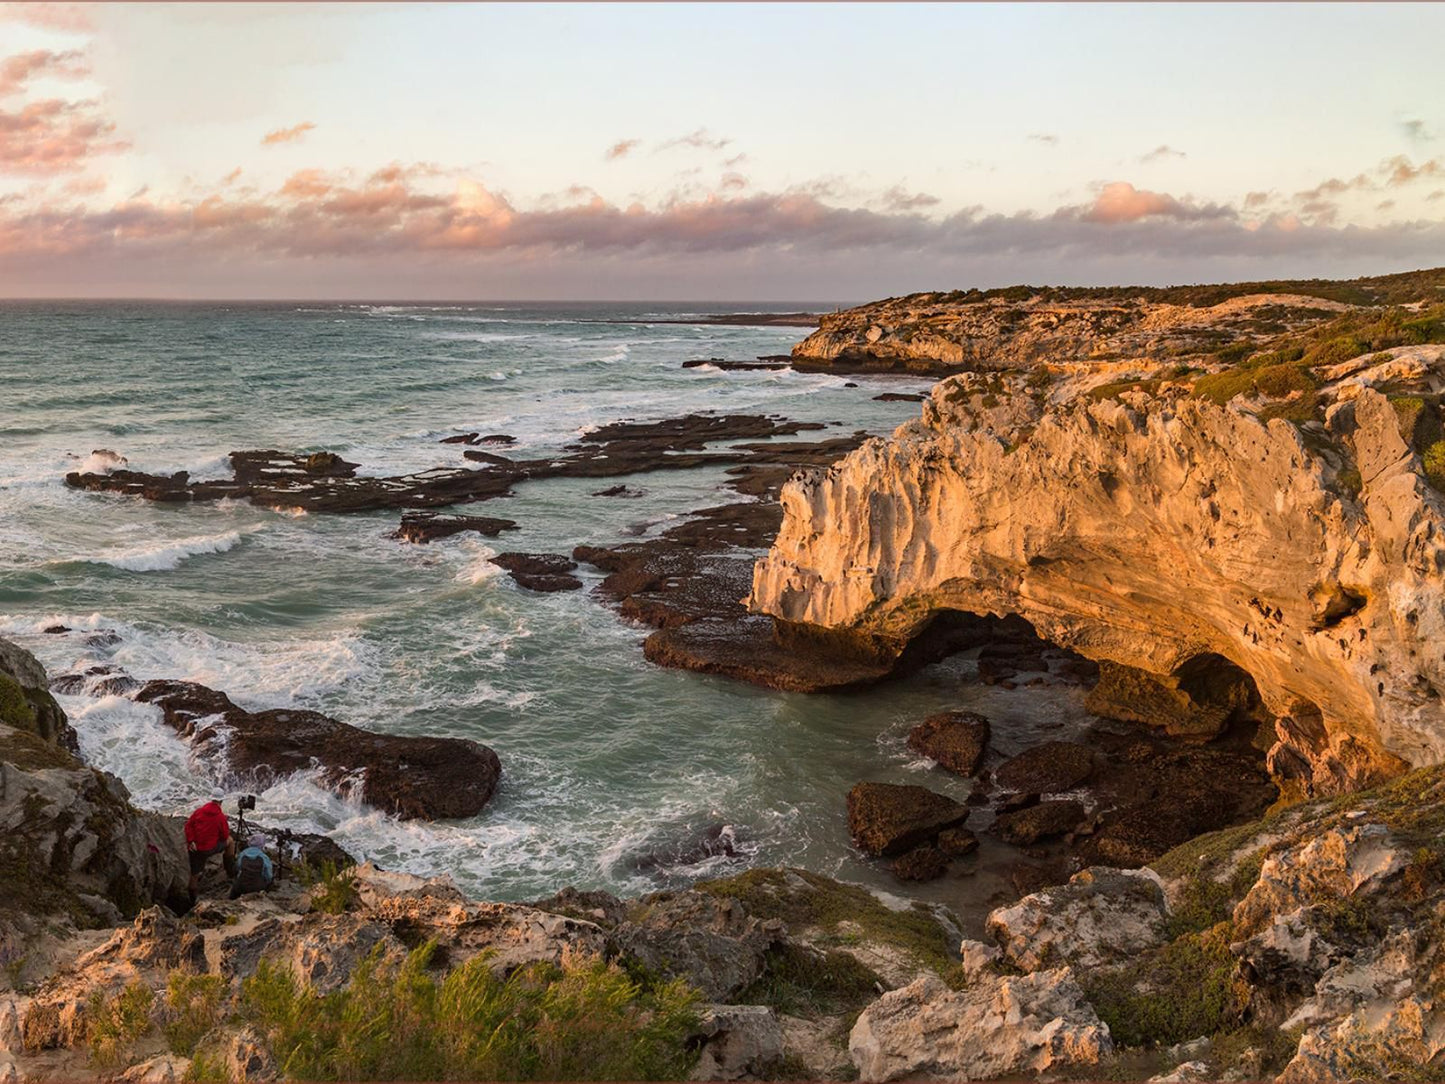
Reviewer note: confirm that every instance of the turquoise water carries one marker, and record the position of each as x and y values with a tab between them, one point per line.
605	757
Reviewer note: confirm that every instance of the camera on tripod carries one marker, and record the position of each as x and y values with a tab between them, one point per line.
245	802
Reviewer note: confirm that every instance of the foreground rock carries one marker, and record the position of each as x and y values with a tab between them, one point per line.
411	777
1116	523
70	842
995	1027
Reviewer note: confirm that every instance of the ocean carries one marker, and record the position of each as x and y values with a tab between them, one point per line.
612	767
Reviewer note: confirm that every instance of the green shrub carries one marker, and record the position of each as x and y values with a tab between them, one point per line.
805	982
114	1023
583	1020
194	1008
1435	464
1188	988
334	890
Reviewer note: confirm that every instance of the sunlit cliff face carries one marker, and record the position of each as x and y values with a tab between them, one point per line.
99	197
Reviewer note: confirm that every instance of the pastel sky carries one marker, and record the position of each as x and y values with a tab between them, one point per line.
730	152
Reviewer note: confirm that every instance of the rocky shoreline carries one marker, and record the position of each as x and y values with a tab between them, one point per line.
1301	947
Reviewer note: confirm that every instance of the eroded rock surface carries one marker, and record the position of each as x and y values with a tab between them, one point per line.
1156	529
995	1027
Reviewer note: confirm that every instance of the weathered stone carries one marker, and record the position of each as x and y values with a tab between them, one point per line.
1408	1035
887	819
539	571
920	864
1102	917
956	842
1115	523
1338	863
1050	768
709	940
1025	827
410	776
997	1026
955	739
739	1042
249	1057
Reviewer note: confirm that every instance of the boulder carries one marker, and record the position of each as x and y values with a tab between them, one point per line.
1404	1037
25	700
955	739
739	1042
956	842
1338	863
321	951
887	819
996	1026
411	776
920	864
1051	768
1101	918
1025	827
711	941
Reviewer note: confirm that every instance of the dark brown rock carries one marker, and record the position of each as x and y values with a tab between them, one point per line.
956	842
423	527
899	397
955	739
1025	827
539	571
887	819
413	777
1050	768
920	864
735	366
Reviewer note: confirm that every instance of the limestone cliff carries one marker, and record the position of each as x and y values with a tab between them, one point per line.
1277	517
1021	326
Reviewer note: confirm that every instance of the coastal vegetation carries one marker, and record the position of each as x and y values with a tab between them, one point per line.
583	1019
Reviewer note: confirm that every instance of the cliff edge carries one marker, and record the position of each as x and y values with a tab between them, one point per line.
1277	510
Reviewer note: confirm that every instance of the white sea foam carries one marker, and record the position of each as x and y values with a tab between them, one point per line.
167	556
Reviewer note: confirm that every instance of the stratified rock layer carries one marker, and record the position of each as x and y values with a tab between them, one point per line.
1160	531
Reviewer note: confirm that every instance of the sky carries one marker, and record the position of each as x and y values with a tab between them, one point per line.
829	152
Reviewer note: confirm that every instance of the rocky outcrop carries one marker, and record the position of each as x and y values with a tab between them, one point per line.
1102	916
412	777
935	333
955	739
1154	528
70	842
996	1027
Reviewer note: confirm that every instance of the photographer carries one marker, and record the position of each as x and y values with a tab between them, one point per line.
208	832
254	872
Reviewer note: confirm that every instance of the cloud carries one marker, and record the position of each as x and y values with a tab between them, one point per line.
732	182
1161	153
17	70
230	178
700	139
52	136
1257	199
1046	138
621	149
72	18
1400	170
1120	201
1416	132
287	135
898	199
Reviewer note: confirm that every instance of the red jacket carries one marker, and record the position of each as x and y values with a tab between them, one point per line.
208	827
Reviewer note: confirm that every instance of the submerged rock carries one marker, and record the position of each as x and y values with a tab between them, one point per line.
1026	826
422	527
539	571
1051	768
